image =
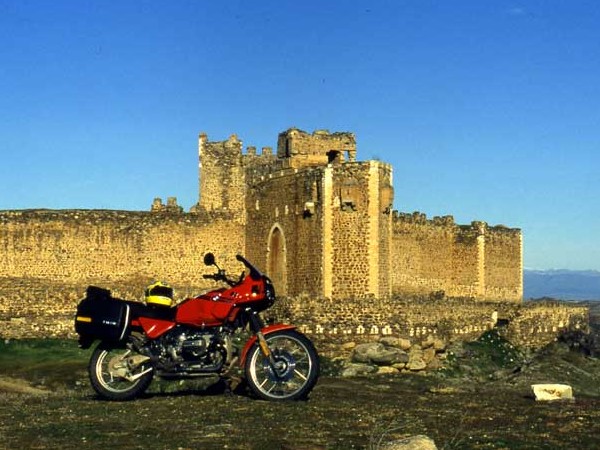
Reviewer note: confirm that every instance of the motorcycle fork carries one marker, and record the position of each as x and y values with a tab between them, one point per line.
256	324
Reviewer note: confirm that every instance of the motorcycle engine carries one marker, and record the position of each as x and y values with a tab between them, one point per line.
194	347
191	350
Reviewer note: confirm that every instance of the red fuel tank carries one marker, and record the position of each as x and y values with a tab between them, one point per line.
205	312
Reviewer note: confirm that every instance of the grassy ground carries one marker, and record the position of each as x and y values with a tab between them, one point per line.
482	400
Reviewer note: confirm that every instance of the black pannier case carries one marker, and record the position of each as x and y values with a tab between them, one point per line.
100	316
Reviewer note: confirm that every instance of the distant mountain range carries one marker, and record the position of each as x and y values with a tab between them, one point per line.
562	284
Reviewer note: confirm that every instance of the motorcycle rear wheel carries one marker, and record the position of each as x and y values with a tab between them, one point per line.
296	370
111	371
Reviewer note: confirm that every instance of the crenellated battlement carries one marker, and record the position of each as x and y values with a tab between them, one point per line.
419	218
319	148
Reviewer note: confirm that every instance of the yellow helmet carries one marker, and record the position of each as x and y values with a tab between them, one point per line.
160	294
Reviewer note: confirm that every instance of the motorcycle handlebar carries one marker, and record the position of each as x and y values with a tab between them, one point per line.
220	275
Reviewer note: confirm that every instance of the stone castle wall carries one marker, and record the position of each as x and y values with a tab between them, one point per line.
360	229
532	325
538	324
462	261
50	257
503	263
276	203
103	246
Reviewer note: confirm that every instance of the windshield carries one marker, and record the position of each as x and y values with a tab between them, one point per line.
255	274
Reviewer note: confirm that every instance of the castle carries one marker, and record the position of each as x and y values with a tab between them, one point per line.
318	221
321	223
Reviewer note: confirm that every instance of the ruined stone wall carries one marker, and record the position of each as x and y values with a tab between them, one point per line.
222	176
503	264
102	246
462	261
434	255
405	317
42	308
318	148
289	201
538	324
525	324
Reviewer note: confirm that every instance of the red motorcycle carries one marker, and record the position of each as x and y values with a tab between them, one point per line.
195	339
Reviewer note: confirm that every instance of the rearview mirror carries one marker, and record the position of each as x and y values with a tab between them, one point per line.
209	259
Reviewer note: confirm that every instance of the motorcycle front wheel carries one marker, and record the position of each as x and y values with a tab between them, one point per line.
294	372
119	373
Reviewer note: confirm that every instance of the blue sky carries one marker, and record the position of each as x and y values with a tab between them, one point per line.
488	110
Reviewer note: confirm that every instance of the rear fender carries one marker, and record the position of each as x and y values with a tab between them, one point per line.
265	331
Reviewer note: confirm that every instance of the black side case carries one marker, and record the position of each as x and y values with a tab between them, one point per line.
100	316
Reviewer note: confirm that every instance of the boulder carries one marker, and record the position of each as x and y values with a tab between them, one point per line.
387	370
389	356
428	342
429	354
415	359
434	342
361	352
550	392
439	345
377	353
416	364
356	370
398	342
418	442
434	364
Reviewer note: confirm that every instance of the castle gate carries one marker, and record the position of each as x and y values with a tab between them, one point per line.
276	260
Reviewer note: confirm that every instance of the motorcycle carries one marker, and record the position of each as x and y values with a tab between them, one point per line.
195	339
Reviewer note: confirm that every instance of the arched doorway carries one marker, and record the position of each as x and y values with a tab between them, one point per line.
276	260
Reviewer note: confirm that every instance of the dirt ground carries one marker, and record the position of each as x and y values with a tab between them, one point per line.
46	403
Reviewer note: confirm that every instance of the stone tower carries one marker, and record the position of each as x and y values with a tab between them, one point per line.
222	176
319	217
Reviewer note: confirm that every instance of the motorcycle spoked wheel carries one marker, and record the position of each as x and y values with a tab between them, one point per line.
296	367
109	369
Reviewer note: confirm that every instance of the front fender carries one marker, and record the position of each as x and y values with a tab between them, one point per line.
269	329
